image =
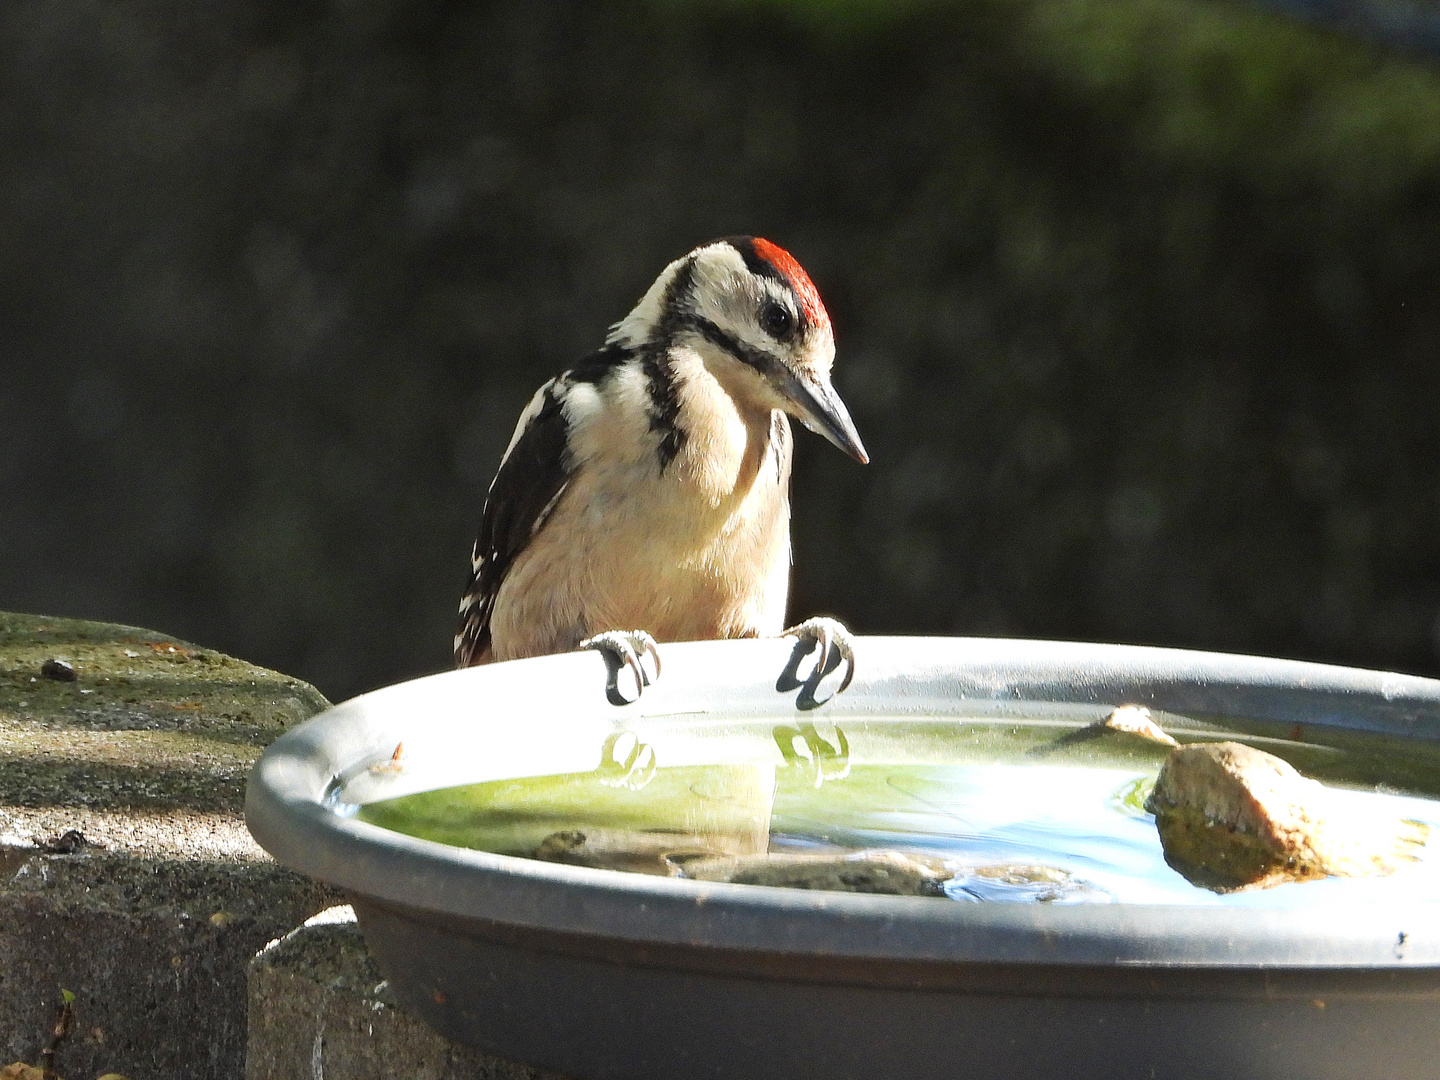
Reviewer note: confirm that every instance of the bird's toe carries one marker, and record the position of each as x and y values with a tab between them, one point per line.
626	649
836	646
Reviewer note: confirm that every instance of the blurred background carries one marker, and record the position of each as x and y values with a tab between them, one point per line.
1136	303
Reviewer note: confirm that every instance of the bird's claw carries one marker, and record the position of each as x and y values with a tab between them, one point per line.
834	641
625	649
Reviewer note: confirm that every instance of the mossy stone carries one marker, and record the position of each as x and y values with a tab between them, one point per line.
140	720
126	873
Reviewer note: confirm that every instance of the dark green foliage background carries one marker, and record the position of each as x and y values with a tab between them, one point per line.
1136	302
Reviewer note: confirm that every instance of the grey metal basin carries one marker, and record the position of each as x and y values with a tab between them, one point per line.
601	974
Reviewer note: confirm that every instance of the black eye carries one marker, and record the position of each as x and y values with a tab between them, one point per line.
776	321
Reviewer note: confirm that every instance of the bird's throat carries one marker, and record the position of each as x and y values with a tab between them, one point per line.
730	443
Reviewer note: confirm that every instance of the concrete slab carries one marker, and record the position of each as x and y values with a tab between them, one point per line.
320	1010
126	873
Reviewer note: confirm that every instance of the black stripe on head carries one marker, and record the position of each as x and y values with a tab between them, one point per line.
745	245
664	407
659	379
761	361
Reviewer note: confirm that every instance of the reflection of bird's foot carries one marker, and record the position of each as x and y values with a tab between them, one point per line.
837	645
625	649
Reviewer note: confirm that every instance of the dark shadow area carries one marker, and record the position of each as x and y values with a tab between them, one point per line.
110	786
1137	303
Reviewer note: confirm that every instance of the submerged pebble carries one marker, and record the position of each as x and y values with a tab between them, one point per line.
1136	720
1131	724
888	873
1022	884
639	851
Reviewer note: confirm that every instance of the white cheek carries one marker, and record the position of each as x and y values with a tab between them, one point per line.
733	311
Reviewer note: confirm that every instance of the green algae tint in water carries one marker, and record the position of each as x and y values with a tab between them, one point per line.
1044	809
724	808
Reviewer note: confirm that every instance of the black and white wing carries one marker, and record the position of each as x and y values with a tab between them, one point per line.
532	477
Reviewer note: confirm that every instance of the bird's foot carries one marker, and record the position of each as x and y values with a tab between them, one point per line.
836	644
625	649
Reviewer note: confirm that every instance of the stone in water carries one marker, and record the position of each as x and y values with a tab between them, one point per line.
1233	817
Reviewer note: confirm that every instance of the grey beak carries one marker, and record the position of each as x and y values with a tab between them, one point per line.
820	409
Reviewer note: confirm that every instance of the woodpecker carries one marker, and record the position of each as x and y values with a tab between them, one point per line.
648	486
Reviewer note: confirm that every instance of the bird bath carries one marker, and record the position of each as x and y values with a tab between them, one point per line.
1106	964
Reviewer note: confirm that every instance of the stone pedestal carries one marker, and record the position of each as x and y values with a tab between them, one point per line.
126	874
319	1008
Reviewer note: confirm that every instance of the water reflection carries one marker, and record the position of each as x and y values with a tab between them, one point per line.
626	762
802	803
806	750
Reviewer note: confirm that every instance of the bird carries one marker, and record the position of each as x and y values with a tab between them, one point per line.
647	487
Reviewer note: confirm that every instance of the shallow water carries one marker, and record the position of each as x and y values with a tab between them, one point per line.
1027	811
